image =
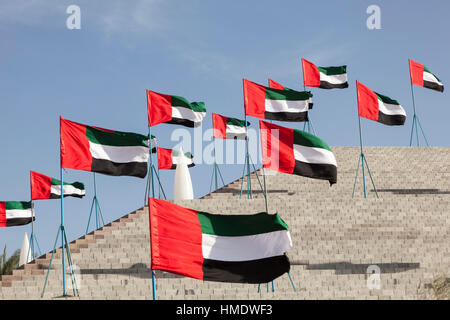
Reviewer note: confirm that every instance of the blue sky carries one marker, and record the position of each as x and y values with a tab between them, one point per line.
200	50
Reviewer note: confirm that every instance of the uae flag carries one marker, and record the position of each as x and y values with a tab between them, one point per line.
228	128
423	77
275	104
45	187
324	77
164	108
275	85
105	151
296	152
243	248
377	107
169	158
15	213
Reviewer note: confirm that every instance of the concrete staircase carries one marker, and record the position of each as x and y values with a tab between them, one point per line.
405	233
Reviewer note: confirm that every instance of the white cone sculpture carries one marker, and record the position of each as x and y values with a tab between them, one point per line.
183	183
25	255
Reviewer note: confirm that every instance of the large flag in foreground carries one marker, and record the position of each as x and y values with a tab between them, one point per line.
105	151
296	152
45	187
377	107
423	77
275	104
228	128
275	85
324	77
15	213
164	108
229	248
168	158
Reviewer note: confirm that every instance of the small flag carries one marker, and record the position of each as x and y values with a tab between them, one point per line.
296	152
243	248
377	107
275	104
105	151
421	76
275	85
168	159
163	108
324	77
44	187
228	128
15	213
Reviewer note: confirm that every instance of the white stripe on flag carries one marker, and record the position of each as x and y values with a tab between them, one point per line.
119	154
246	248
314	155
68	190
237	130
431	78
286	106
390	109
18	213
187	114
335	79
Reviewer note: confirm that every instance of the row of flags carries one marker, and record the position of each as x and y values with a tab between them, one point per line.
233	248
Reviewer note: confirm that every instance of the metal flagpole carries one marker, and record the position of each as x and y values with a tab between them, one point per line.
416	122
362	157
98	212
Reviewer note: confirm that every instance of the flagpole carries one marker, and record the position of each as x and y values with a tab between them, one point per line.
62	237
362	157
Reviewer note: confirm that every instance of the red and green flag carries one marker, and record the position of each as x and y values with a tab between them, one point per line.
169	158
164	108
378	107
228	128
243	248
275	85
296	152
101	150
45	187
421	76
275	104
324	77
15	213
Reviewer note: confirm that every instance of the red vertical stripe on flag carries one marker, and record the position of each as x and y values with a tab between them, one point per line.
219	126
75	153
254	99
164	158
176	239
275	85
416	72
40	186
2	214
311	75
159	108
277	147
367	102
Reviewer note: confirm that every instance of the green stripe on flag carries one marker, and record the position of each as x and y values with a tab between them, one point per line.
289	95
175	154
308	140
387	99
240	225
182	102
56	182
116	138
237	122
333	71
17	205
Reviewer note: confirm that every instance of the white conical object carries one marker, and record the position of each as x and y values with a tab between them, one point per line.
25	255
183	183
